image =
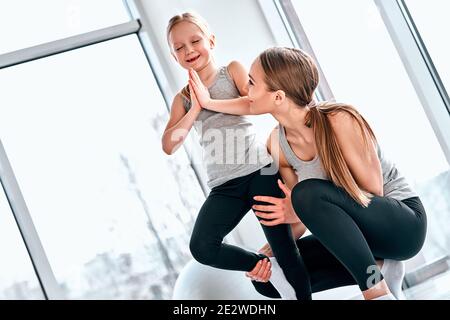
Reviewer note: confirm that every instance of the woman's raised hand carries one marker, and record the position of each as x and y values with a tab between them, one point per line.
261	272
201	92
279	211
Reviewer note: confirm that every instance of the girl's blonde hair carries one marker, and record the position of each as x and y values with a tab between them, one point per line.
295	72
192	18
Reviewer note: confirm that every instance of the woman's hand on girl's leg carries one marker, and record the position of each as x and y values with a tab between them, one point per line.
279	211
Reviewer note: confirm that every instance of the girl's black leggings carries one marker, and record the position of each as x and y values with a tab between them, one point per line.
224	208
347	238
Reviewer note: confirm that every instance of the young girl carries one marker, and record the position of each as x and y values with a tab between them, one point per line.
355	202
234	161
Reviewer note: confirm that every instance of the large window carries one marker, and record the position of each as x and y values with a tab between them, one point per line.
17	277
431	19
82	131
25	23
364	69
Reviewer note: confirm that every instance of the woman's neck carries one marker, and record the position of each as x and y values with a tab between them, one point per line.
292	118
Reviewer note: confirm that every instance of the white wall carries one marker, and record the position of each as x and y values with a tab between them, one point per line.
233	22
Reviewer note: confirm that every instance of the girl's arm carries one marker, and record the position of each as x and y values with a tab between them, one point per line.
179	125
240	77
237	106
364	164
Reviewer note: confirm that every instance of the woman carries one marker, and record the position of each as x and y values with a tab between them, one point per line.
356	204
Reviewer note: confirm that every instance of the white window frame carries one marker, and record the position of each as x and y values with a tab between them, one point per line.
282	20
39	260
70	43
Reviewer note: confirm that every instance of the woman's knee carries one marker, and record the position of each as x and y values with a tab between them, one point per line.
309	187
306	195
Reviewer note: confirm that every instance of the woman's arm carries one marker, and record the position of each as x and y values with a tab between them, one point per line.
280	210
290	179
262	270
237	106
179	124
364	164
288	174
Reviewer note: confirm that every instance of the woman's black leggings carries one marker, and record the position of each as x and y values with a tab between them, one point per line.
347	238
224	208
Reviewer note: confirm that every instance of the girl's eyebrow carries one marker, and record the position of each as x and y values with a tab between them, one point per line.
190	38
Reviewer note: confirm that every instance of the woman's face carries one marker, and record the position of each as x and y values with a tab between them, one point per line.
261	100
189	46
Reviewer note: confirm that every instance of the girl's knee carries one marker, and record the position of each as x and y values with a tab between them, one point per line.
202	251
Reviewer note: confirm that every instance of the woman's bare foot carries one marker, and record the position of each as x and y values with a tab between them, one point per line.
378	290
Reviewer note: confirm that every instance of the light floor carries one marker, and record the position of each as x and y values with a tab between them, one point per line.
436	288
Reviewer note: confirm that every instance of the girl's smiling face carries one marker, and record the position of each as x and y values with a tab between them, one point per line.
190	46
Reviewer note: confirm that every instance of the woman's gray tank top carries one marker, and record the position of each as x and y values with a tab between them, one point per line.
394	184
230	147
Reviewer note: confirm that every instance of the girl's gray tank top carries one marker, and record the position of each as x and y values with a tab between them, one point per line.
394	183
229	143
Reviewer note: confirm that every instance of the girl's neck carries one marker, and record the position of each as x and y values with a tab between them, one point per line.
208	72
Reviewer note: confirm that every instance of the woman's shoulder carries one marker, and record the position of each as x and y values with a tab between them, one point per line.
344	124
340	117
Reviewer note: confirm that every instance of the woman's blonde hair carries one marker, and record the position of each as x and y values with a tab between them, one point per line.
295	72
194	19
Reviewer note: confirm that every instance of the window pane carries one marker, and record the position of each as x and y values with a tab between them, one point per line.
431	19
24	23
17	278
364	69
83	132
